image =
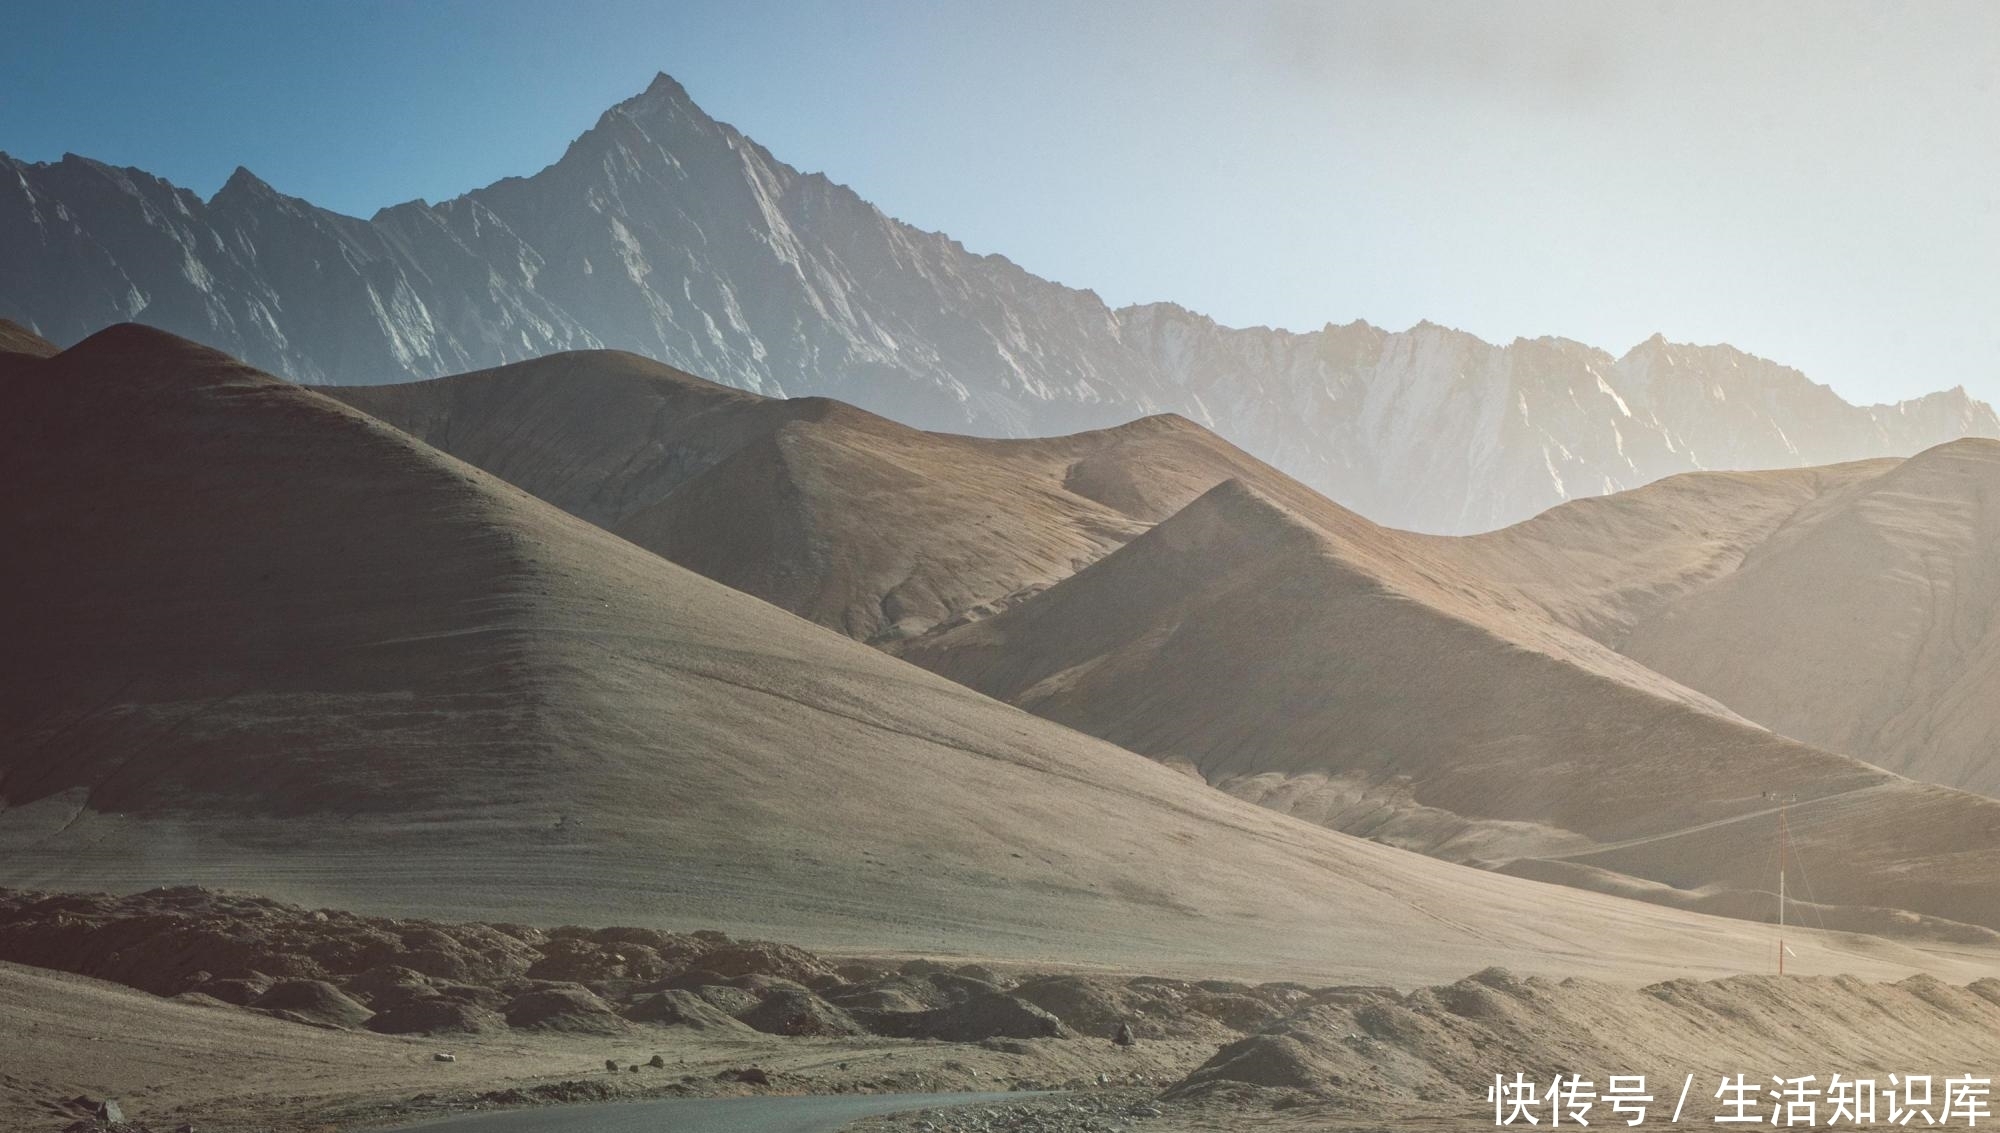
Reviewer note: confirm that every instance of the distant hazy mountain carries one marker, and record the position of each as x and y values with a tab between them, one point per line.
664	232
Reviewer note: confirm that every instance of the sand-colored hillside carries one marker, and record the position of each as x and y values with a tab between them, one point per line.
1347	683
876	529
1869	624
845	518
1604	564
1338	676
17	339
1850	607
278	645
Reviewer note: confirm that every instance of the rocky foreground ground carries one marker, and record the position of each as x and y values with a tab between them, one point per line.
418	1019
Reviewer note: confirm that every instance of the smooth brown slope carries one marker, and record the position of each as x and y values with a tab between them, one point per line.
881	531
1335	673
1604	564
1851	606
872	528
276	644
845	518
1869	624
17	339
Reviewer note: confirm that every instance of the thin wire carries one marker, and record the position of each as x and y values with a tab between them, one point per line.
1813	902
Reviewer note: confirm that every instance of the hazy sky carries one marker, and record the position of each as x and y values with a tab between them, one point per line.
1815	182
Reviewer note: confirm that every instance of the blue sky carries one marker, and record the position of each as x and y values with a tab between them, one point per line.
1815	183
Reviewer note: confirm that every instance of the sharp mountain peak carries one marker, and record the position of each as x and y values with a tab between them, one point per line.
666	233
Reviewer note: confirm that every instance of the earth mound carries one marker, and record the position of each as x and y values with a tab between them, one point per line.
563	1008
436	1015
311	1001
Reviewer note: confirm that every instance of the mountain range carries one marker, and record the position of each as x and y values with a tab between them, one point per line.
276	643
1481	699
663	232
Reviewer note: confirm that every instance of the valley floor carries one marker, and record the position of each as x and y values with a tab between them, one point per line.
290	1020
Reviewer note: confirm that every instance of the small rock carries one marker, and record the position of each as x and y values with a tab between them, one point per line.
441	1056
657	1062
611	1064
108	1112
1124	1037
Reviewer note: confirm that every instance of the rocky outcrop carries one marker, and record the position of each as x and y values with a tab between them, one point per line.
667	233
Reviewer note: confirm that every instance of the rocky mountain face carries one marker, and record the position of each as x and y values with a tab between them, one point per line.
664	232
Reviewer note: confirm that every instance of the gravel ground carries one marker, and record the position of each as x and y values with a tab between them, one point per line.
1111	1110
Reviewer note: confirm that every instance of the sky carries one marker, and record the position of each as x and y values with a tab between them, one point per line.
1815	183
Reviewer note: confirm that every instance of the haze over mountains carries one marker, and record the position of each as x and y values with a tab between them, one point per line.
278	644
663	232
861	524
1153	586
1851	607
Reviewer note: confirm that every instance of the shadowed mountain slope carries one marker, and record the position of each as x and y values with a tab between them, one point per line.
1850	606
662	231
848	519
1299	656
276	643
1870	623
1602	565
1433	692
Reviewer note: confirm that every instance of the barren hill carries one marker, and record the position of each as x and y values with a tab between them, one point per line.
1870	623
1603	565
848	519
17	339
1299	656
1436	693
1850	606
274	643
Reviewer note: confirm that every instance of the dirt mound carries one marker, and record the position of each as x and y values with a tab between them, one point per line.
388	985
680	1009
435	1015
563	1008
1094	1006
796	1012
762	958
890	996
311	1001
732	1001
993	1015
1439	1048
241	991
167	940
